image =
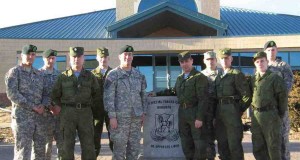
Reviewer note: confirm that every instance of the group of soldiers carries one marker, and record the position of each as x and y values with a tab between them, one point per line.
212	102
48	104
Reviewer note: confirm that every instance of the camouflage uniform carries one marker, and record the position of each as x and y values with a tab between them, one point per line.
233	95
99	114
191	93
269	104
284	70
211	112
124	99
24	87
52	122
75	96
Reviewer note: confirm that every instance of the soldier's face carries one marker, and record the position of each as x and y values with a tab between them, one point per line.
126	58
186	65
28	59
271	53
261	64
210	62
226	62
103	61
50	61
77	61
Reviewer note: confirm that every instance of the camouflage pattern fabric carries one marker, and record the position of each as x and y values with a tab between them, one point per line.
284	70
52	122
25	89
124	99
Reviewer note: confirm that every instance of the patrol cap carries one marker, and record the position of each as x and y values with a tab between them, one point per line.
184	55
126	48
209	54
49	52
29	48
102	52
259	55
269	44
224	52
76	51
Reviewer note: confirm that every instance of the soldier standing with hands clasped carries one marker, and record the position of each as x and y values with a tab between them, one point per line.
24	88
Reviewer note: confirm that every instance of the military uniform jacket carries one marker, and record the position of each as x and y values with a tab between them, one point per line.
193	91
283	70
124	93
49	80
269	90
98	102
69	89
25	90
211	77
234	83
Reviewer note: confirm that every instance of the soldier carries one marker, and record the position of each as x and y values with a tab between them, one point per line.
269	104
52	117
284	71
211	72
74	91
24	88
98	110
191	88
125	102
234	98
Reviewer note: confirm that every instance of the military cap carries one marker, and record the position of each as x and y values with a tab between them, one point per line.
209	54
224	52
184	55
29	48
269	44
126	48
102	52
49	52
76	51
259	55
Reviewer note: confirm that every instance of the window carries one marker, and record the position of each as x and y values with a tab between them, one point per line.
90	62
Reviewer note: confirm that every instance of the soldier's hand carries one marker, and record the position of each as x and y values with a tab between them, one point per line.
198	124
55	110
113	123
39	109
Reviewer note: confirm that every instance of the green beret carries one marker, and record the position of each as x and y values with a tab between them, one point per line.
126	48
49	52
209	54
76	51
29	48
184	55
224	52
102	52
270	44
259	55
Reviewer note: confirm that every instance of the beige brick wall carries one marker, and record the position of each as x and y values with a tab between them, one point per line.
125	8
9	47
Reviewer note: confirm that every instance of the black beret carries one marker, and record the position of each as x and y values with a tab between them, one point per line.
126	48
270	44
49	52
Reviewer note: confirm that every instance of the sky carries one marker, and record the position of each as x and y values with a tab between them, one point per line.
16	12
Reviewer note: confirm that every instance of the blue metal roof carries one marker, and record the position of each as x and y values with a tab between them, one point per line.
188	4
83	26
244	22
241	22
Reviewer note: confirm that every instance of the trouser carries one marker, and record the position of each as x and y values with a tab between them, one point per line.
229	132
266	135
98	130
53	131
126	138
29	132
80	120
193	140
211	150
285	151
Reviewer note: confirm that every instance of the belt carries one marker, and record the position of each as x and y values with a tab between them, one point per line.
227	100
77	105
186	105
264	109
